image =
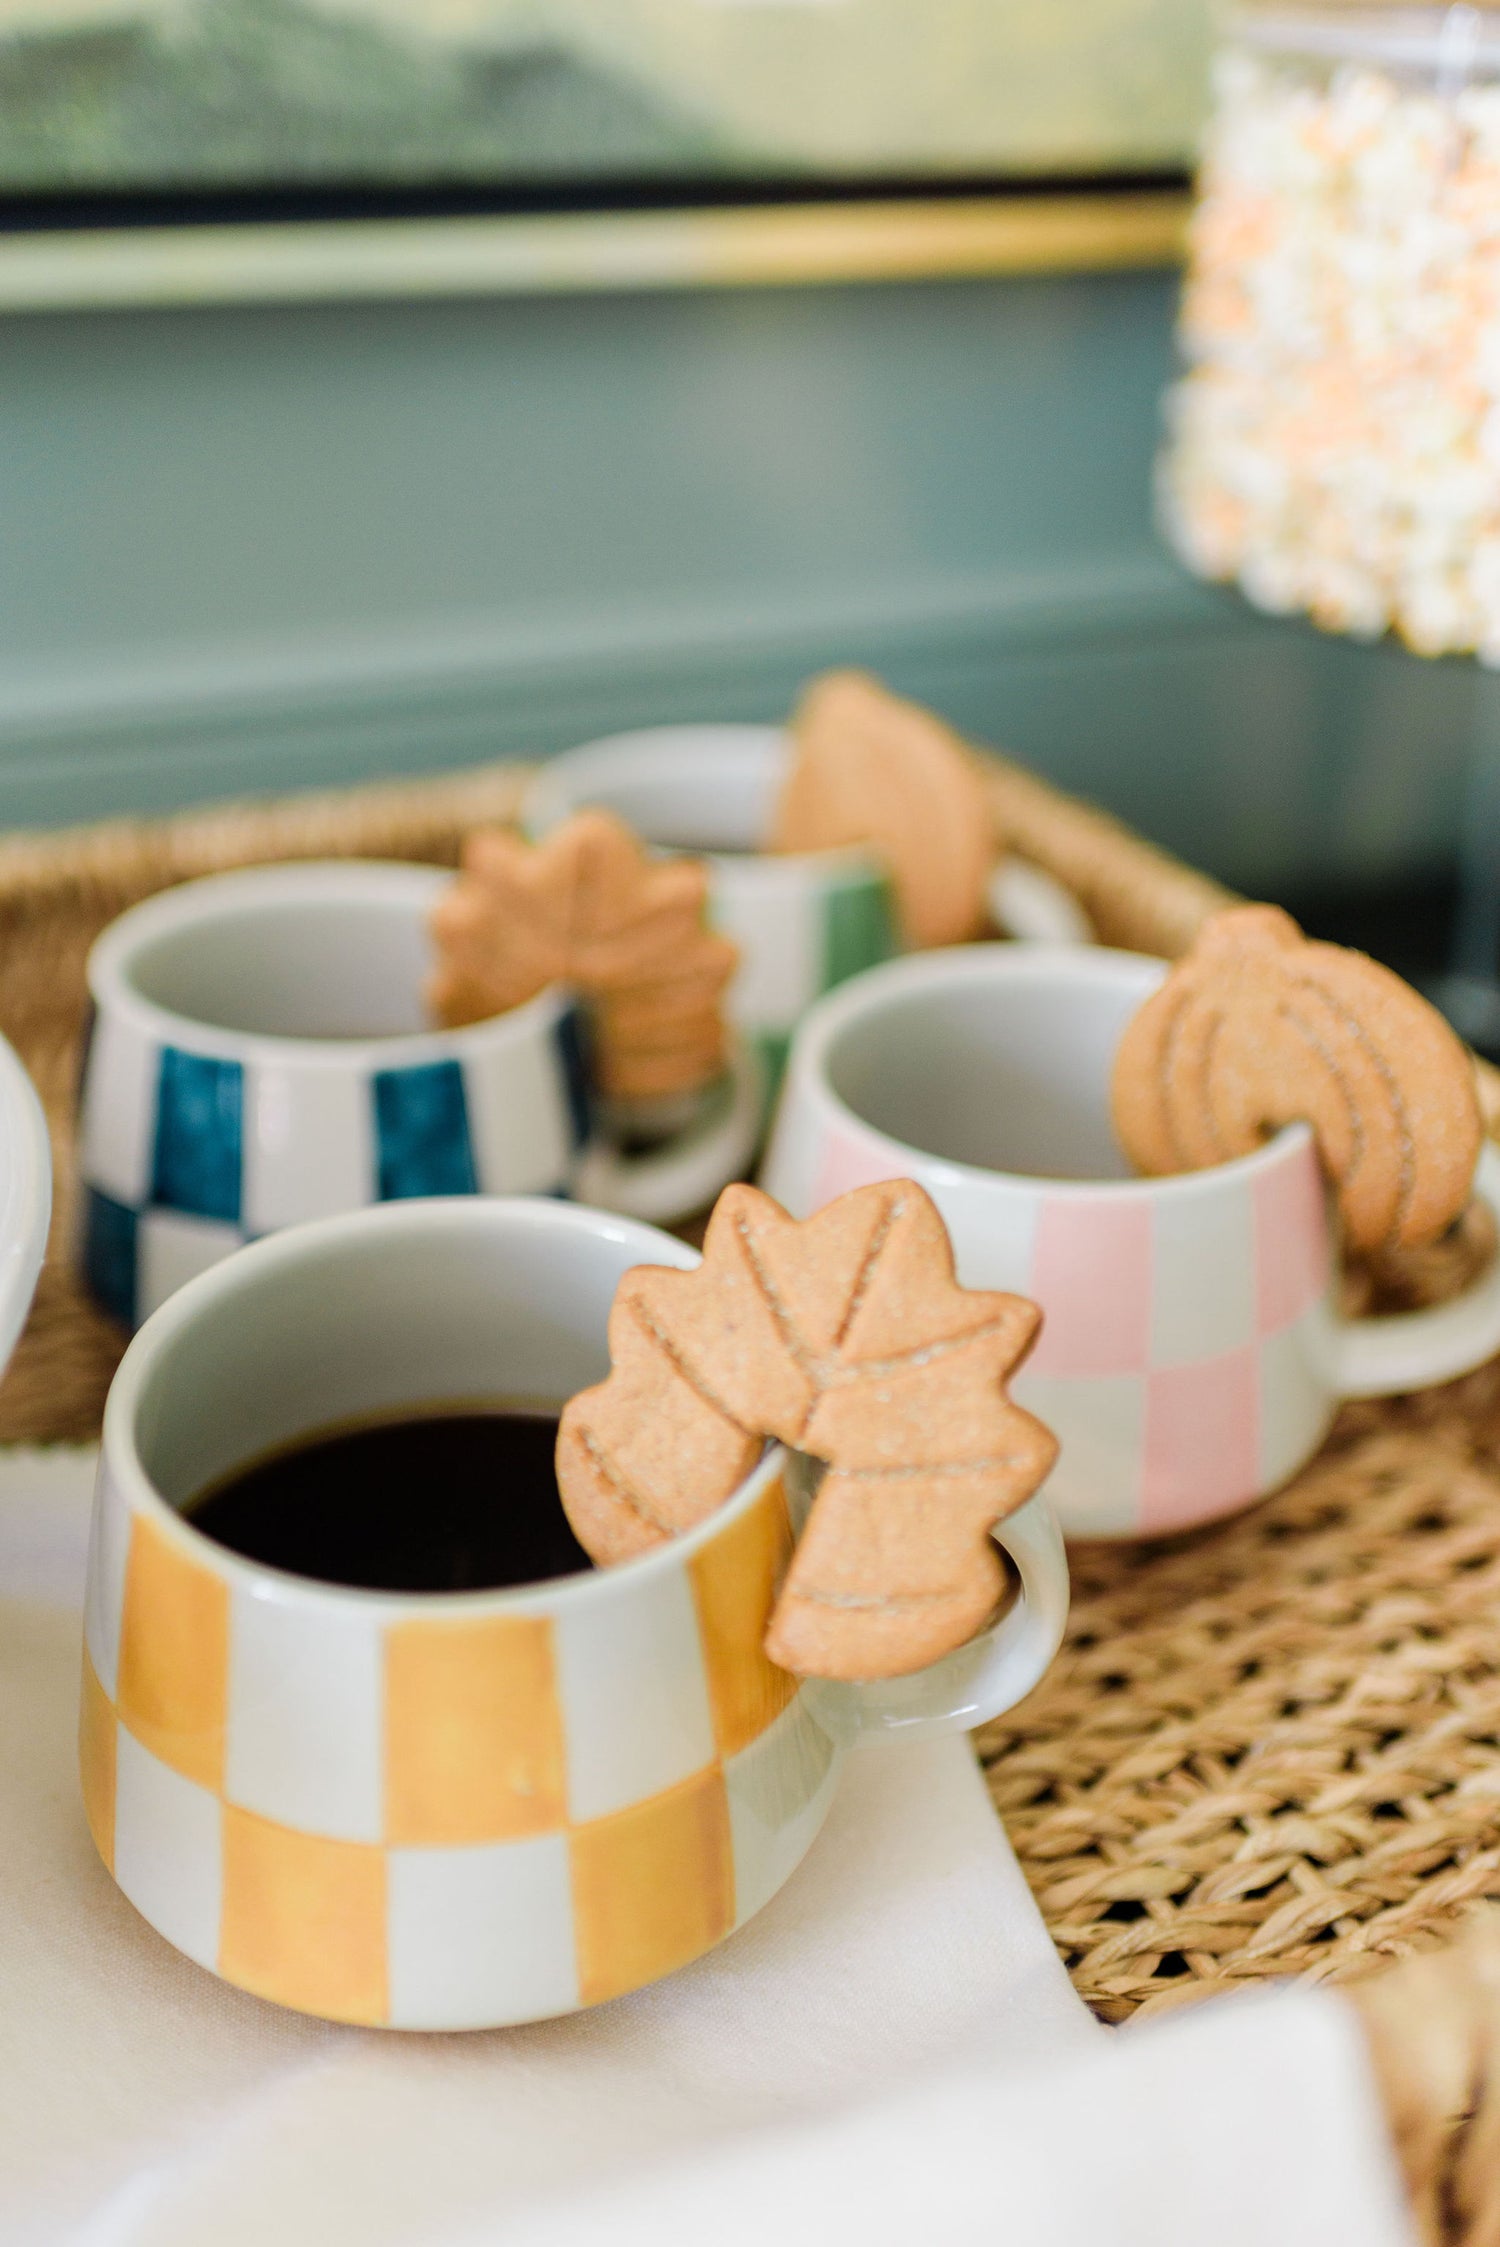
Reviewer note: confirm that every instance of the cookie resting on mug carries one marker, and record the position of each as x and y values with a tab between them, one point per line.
848	1337
872	768
588	906
1259	1027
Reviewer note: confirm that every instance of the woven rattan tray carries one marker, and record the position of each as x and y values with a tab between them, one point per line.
1268	1746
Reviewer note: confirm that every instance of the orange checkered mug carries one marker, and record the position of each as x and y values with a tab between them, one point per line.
465	1809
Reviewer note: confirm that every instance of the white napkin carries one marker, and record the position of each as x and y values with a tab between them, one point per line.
1245	2123
891	2051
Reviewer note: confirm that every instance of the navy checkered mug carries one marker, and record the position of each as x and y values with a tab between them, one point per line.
260	1055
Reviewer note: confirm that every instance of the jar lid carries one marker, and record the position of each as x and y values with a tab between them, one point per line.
1447	42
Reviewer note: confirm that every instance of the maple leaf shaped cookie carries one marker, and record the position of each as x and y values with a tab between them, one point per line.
1259	1026
589	906
871	768
846	1336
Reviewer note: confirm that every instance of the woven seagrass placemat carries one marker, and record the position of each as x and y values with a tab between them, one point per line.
1274	1746
1266	1747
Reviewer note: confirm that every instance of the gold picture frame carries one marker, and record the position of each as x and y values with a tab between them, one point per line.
783	245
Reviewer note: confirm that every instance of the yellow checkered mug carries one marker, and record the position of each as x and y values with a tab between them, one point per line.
466	1809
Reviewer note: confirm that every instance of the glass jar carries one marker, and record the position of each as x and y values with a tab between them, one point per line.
1334	442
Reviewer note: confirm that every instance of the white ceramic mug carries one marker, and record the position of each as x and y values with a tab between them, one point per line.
25	1196
466	1809
804	922
261	1055
1193	1353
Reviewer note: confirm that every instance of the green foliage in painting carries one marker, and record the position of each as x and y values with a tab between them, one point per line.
269	90
214	92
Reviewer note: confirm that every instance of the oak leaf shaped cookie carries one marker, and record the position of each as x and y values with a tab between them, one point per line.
588	905
846	1336
1257	1027
870	768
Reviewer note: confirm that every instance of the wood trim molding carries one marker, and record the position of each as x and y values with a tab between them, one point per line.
197	724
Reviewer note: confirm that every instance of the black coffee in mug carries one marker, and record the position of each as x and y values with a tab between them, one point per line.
455	1501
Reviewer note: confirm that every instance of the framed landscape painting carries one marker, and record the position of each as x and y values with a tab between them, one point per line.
121	113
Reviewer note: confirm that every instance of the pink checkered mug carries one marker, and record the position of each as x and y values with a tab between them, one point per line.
1193	1353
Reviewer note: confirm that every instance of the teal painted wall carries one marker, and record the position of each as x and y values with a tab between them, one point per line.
243	551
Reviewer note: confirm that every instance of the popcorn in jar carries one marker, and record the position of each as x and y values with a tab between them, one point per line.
1334	443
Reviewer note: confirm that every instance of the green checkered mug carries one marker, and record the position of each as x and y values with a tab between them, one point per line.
804	921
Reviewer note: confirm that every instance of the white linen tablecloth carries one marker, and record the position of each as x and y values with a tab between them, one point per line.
890	2052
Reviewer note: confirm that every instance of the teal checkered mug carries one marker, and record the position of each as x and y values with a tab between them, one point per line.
260	1055
804	921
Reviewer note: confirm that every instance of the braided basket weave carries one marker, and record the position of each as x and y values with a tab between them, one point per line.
1268	1747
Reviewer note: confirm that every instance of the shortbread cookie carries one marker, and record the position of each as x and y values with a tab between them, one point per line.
848	1337
589	906
1257	1027
870	768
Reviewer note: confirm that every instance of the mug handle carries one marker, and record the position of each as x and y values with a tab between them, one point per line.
1032	906
1382	1357
674	1180
981	1679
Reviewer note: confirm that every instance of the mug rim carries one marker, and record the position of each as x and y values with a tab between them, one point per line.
295	1244
313	880
25	1195
643	744
959	964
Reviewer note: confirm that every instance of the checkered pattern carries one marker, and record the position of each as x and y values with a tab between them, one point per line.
802	927
444	1822
185	1156
802	923
1184	1360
